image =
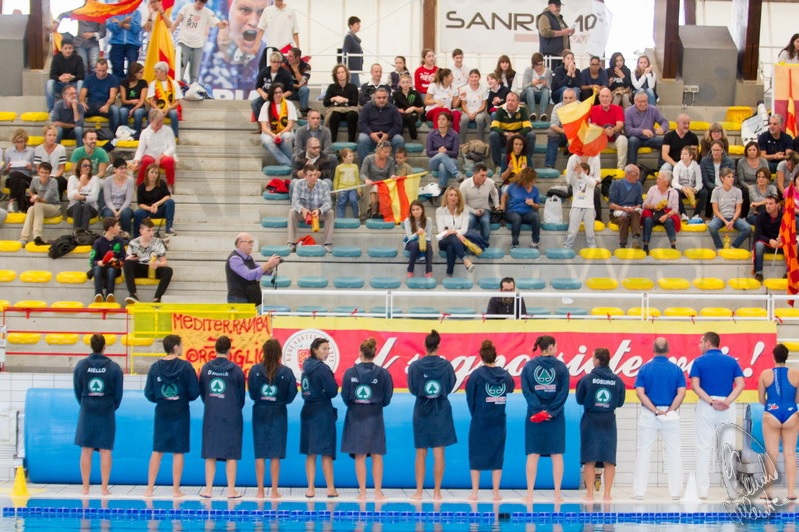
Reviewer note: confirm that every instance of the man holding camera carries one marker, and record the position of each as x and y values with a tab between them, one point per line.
243	274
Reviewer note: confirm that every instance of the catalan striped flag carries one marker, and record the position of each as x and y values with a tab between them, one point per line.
395	196
790	119
161	46
788	239
584	138
96	11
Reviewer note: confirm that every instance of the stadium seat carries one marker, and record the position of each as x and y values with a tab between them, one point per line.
281	281
639	311
10	246
525	253
598	226
382	311
374	223
602	283
274	222
347	309
457	283
36	116
126	144
7	116
679	312
105	305
23	338
312	281
559	253
673	283
31	247
716	312
275	196
530	283
110	339
493	253
71	277
615	173
280	251
638	283
607	311
347	223
709	283
61	338
784	313
36	276
571	311
414	147
744	283
38	140
460	311
538	311
274	309
776	285
421	283
595	253
488	283
311	309
751	312
277	170
736	149
311	251
347	251
381	252
31	303
694	228
547	173
93	221
385	283
629	254
67	304
665	254
348	282
338	146
565	283
699	254
424	310
554	226
6	276
737	113
735	254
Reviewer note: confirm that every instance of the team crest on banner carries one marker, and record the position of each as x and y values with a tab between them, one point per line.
298	347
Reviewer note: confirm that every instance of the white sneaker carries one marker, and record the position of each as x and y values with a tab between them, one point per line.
684	217
12	206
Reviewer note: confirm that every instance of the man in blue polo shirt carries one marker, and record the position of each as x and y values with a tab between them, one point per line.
99	92
717	380
660	386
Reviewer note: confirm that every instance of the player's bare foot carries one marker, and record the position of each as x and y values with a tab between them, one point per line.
437	495
260	494
361	495
148	492
417	496
233	495
558	497
276	494
379	495
105	492
607	498
310	493
528	498
472	496
497	496
588	497
177	494
84	490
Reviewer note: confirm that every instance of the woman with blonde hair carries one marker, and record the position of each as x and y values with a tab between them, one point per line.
643	78
452	219
18	165
83	190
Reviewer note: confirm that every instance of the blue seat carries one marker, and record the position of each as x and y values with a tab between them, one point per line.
524	228
417	169
312	281
420	283
282	251
374	223
565	283
531	284
274	170
457	283
460	311
311	251
538	124
495	227
347	223
385	283
346	251
540	148
381	252
489	283
275	196
414	147
554	227
560	253
434	173
525	253
492	253
378	310
547	173
274	222
538	310
338	146
346	309
265	309
311	309
419	260
470	173
301	122
423	310
348	282
280	282
574	311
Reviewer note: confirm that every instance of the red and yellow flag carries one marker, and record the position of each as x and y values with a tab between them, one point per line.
788	238
584	138
395	196
96	11
790	119
161	47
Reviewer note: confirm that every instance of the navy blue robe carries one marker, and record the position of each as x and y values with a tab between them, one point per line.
318	417
269	417
97	382
431	379
171	385
222	391
366	389
545	385
486	394
601	393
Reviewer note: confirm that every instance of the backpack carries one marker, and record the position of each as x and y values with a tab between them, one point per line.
84	237
61	246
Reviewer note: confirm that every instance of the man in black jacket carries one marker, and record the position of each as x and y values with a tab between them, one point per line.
767	233
243	274
65	69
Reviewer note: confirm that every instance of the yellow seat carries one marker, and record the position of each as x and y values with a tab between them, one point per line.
36	276
68	166
715	312
71	277
598	226
131	144
7	116
602	283
4	303
736	149
67	304
607	311
54	220
146	281
629	254
23	338
693	228
665	254
699	254
735	254
35	140
751	312
158	222
639	311
6	276
737	113
136	341
95	120
81	249
595	253
31	303
615	173
709	283
792	346
31	247
104	304
10	246
645	150
94	220
673	283
638	283
15	218
787	312
34	116
110	339
613	227
699	125
680	312
61	338
69	143
777	285
744	283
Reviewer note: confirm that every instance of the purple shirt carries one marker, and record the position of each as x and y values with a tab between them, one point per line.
636	121
238	266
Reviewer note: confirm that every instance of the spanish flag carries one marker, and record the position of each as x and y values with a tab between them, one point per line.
95	11
396	194
788	238
161	47
790	119
584	138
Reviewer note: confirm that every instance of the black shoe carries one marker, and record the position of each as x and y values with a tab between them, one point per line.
377	216
39	242
646	249
759	277
132	299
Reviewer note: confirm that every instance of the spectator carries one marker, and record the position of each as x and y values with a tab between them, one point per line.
473	98
625	201
592	78
661	204
67	116
146	254
313	129
443	146
99	92
775	146
378	121
510	118
243	274
565	76
711	166
594	163
401	161
400	68
45	203
83	189
154	201
497	93
556	136
54	154
66	68
460	74
767	233
341	100
726	201
537	87
790	54
674	141
583	184
300	75
554	33
479	193
610	117
106	258
375	82
758	194
277	119
377	166
714	132
521	201
442	96
504	71
311	199
619	80
125	41
87	40
749	164
418	228
118	195
352	51
156	146
787	170
506	306
133	95
644	125
17	165
281	21
312	154
515	159
689	184
452	222
426	73
194	21
347	177
98	158
410	105
273	72
643	79
164	94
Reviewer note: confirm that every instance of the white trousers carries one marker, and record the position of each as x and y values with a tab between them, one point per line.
648	429
706	420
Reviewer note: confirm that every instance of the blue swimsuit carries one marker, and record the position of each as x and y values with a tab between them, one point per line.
781	396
